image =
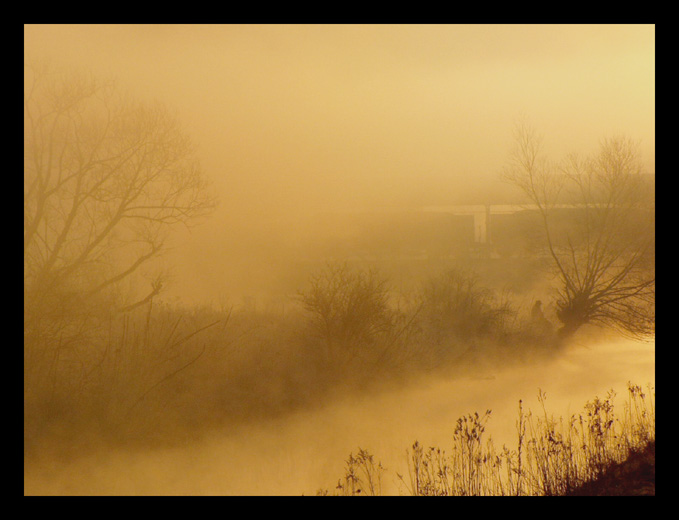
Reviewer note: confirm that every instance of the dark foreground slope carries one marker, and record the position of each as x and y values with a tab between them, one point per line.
633	477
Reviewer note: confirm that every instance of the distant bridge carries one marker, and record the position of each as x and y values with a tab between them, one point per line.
482	213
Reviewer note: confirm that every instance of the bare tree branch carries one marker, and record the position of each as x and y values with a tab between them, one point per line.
604	259
105	178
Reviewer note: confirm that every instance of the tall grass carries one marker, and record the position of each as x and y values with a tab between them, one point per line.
551	457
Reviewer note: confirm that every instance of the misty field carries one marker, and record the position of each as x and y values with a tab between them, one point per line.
144	373
163	377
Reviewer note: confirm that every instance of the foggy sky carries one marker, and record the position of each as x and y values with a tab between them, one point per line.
290	120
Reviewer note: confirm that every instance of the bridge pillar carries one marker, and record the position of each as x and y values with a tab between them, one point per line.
482	226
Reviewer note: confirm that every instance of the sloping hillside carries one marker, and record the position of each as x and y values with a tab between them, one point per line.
634	477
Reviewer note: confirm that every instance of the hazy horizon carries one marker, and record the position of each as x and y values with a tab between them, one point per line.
296	121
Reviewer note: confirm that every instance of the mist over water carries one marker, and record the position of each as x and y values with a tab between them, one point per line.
306	450
270	153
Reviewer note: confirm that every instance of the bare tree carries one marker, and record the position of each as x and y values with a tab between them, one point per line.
350	311
598	218
348	307
105	178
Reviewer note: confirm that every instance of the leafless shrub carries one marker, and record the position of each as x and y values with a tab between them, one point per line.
456	304
350	312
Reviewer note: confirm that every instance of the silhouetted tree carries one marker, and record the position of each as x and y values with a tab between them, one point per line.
349	311
604	259
456	304
104	179
348	307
